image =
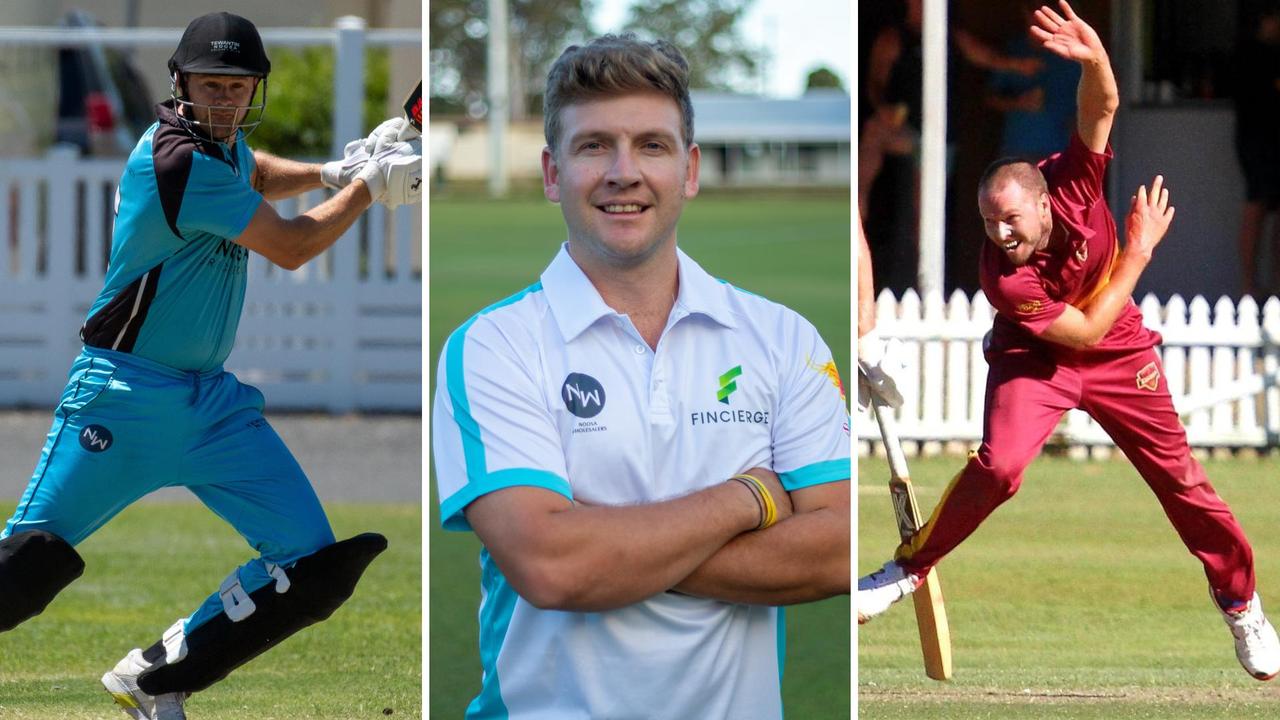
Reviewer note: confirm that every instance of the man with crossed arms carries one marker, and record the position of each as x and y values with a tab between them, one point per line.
587	429
1067	335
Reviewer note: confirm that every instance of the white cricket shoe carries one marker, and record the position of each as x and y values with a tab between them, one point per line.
1257	647
882	588
122	683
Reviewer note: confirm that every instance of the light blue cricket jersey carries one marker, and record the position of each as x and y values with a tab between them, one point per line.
176	280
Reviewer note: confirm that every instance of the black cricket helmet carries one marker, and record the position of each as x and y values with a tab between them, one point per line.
218	43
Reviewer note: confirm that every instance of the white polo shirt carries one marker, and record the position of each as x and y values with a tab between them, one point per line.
552	388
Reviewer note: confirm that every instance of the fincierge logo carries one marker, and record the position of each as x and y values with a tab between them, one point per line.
727	384
716	417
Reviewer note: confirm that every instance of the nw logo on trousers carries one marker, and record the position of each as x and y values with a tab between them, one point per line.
583	395
95	438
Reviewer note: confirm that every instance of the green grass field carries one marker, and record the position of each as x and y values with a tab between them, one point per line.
1074	600
156	562
793	249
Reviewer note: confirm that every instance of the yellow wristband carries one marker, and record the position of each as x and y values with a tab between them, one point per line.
770	509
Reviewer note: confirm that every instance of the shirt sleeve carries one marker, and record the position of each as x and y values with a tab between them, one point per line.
491	428
1021	297
217	200
811	443
1075	178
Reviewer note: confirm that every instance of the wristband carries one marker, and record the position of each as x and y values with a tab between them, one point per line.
755	493
770	509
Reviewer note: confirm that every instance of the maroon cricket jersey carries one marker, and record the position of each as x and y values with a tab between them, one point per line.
1072	270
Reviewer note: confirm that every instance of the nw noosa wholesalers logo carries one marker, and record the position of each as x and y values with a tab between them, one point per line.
583	395
95	438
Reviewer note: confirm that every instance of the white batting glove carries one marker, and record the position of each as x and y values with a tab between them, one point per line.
339	173
392	131
879	361
394	175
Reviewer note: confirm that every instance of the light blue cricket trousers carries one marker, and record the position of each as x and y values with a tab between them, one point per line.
127	426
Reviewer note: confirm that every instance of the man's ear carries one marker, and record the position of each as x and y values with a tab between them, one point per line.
691	172
550	175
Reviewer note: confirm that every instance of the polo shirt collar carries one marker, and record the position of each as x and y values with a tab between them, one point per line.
576	304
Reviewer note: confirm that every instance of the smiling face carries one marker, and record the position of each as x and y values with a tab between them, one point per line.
621	173
1017	220
219	102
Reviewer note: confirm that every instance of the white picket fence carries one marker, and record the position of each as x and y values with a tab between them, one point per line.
343	333
1221	363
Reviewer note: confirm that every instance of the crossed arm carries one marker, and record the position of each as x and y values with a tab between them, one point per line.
801	559
562	556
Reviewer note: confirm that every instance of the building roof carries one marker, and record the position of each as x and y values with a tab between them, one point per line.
816	116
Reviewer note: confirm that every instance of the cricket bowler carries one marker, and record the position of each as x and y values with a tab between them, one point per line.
654	460
148	405
1067	335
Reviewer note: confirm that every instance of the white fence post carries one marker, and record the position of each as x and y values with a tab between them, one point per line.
957	380
1200	360
1270	368
1247	368
933	375
60	244
348	92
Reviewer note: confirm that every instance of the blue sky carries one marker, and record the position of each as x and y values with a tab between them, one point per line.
798	40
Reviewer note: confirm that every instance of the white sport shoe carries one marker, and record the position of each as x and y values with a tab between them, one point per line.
1257	647
122	683
882	588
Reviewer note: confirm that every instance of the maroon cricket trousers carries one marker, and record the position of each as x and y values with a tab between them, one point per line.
1027	394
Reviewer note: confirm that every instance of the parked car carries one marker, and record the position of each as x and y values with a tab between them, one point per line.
103	102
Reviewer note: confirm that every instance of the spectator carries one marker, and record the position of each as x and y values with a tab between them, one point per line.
1040	109
1257	102
892	132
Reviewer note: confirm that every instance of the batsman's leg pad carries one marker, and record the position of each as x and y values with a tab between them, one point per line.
316	585
34	567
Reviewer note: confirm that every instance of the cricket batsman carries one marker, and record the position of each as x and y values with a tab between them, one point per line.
147	403
1067	335
654	460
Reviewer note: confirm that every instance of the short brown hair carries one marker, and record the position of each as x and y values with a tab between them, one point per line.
616	65
1016	169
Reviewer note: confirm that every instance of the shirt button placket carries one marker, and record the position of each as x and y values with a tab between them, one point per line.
659	407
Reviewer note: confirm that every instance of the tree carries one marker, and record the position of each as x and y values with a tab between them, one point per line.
540	30
298	121
823	77
706	32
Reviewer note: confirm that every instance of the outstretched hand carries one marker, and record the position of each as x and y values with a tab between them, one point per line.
1148	219
1066	35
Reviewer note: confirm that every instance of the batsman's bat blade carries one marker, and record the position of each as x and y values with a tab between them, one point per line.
931	613
935	633
413	107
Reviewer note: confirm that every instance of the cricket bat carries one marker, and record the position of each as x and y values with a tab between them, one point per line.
413	108
931	614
